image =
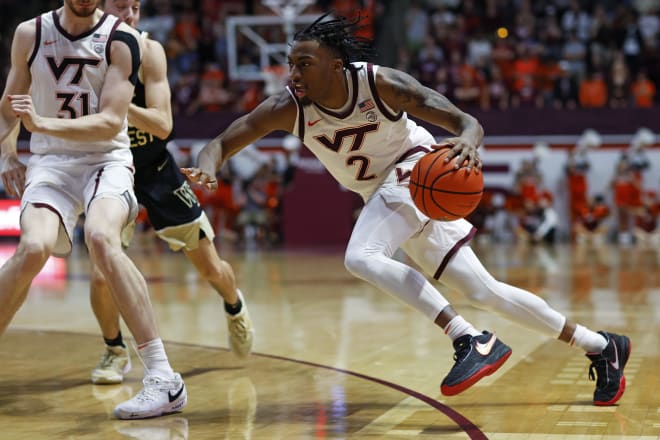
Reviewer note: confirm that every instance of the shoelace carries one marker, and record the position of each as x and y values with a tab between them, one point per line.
602	380
107	358
152	387
239	327
462	351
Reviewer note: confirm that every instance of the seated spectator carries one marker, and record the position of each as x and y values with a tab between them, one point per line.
539	220
619	84
645	229
565	89
212	96
593	91
497	93
590	226
643	90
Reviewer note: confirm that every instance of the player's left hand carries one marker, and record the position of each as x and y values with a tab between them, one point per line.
22	106
196	175
464	150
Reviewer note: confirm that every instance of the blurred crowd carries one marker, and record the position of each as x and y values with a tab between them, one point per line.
479	53
625	210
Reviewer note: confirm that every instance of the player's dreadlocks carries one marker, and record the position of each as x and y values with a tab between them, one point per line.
338	34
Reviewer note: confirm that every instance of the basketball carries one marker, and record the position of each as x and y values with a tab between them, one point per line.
442	192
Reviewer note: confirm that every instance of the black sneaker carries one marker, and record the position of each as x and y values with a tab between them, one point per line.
476	357
609	364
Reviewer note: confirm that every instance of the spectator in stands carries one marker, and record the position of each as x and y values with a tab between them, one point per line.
593	91
539	220
645	229
212	96
565	90
619	82
497	92
590	225
643	90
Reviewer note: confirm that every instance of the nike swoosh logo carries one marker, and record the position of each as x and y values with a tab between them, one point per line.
161	166
312	123
615	364
484	349
48	43
175	396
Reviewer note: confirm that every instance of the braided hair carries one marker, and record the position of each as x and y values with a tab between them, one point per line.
338	35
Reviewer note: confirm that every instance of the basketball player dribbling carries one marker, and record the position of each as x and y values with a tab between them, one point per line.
353	117
72	77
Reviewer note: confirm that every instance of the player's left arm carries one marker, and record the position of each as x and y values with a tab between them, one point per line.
156	118
402	92
116	95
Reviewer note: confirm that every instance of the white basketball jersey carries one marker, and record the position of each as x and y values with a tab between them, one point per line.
68	72
360	144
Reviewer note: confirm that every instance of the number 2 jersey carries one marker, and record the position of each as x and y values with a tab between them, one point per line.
68	73
361	143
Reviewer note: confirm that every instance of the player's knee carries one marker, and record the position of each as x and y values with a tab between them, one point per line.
98	242
33	254
356	264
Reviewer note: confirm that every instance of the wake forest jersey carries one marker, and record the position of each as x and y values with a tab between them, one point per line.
361	143
68	72
146	147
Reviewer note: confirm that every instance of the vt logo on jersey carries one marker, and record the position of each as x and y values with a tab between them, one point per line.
80	63
357	134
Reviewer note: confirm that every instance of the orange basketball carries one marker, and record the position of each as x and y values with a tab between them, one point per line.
442	192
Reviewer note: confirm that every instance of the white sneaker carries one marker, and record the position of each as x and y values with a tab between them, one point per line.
241	333
112	367
158	397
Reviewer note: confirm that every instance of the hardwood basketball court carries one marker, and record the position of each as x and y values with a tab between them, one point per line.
334	357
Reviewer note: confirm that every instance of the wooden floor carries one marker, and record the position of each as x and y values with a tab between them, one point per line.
334	357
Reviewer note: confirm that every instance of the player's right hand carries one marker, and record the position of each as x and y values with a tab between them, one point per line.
196	175
13	176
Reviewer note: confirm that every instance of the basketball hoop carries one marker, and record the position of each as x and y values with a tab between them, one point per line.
276	78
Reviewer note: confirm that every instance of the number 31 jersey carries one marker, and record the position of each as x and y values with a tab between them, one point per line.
68	72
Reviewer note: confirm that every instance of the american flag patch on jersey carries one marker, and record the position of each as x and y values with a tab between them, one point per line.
99	38
366	105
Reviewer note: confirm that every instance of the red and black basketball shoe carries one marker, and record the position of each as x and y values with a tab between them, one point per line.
609	364
476	357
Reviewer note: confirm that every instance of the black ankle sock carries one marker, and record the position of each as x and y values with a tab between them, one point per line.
234	309
116	342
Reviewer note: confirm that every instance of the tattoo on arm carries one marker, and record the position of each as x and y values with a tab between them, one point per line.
409	91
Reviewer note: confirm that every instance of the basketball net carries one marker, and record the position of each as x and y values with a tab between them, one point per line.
276	78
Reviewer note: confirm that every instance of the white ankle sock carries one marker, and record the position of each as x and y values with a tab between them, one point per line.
458	327
154	358
588	340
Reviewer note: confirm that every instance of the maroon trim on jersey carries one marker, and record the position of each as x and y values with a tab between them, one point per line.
374	92
37	41
58	26
97	183
301	113
460	243
109	41
412	151
350	108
